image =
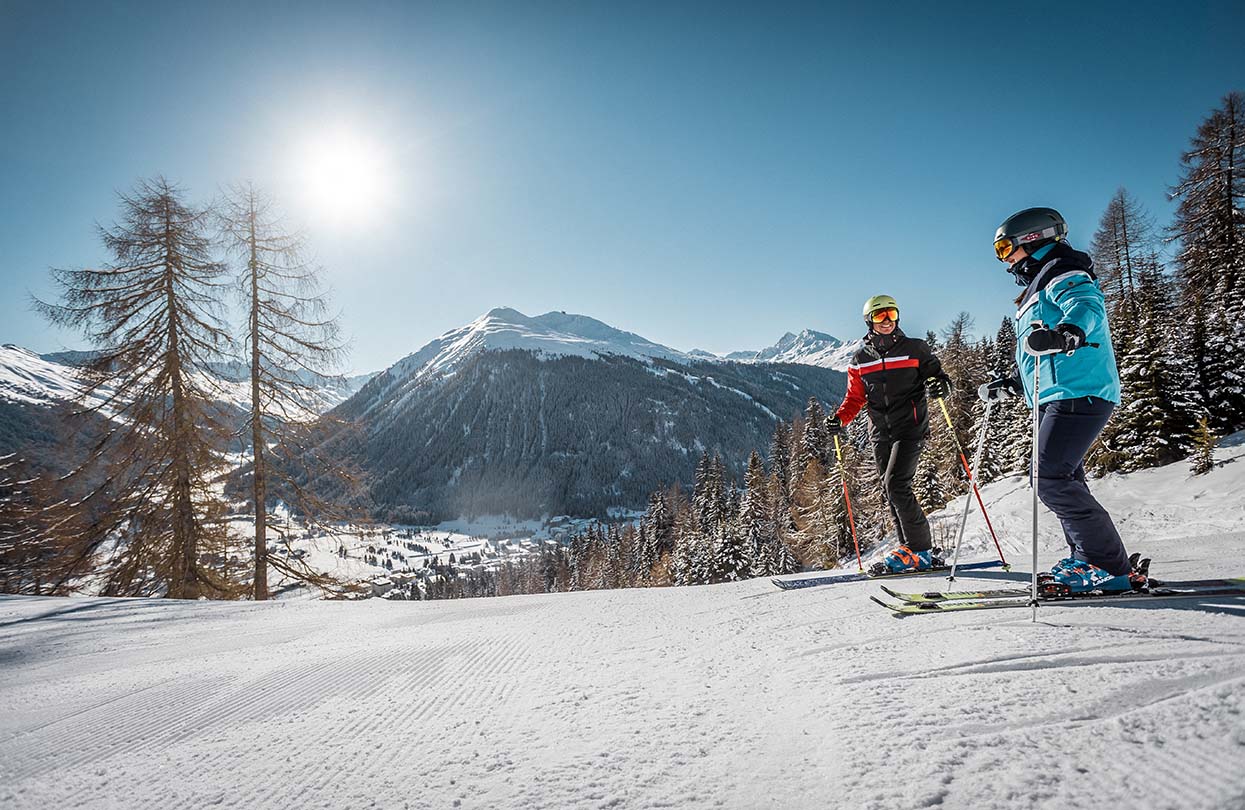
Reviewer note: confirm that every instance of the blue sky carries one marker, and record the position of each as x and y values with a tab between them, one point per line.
707	175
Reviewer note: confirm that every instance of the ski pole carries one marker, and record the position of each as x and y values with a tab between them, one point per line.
972	478
968	503
838	454
1037	377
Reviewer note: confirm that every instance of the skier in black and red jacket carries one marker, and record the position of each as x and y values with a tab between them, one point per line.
893	374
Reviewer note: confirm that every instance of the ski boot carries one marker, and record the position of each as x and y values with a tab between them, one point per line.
1138	575
1048	576
1083	577
903	560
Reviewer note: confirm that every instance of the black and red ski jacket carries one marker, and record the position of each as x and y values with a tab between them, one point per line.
888	374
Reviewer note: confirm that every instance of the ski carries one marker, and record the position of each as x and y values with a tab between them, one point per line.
809	582
953	606
926	597
930	597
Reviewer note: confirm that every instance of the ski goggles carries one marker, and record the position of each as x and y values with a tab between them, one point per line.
1004	247
887	314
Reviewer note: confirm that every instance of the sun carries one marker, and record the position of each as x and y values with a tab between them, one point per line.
345	176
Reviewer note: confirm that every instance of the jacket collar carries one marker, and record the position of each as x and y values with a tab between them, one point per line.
884	343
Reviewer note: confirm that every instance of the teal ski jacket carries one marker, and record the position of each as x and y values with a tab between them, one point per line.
1062	289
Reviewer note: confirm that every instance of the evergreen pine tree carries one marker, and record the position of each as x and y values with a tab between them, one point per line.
783	526
780	457
1154	423
1210	227
816	440
1008	437
756	520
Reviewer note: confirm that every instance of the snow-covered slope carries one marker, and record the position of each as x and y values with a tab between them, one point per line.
734	696
53	379
809	347
554	334
28	378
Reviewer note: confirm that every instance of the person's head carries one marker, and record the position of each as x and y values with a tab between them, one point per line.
1025	233
881	314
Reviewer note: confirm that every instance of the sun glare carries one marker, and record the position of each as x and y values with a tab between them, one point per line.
344	176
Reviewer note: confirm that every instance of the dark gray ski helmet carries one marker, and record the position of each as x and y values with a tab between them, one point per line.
1030	229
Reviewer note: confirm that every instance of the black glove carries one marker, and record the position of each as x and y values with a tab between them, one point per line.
938	387
833	426
1063	339
1001	388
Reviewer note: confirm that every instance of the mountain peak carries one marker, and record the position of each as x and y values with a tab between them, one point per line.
554	334
809	347
505	314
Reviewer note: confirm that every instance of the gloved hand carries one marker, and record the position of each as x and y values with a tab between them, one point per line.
1063	339
1001	388
833	426
938	387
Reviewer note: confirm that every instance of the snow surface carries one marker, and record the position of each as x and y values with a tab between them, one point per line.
738	695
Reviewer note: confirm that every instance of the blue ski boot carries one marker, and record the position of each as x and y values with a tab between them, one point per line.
1047	576
1082	577
903	560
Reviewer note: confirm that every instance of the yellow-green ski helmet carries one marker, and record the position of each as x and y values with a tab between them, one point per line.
879	302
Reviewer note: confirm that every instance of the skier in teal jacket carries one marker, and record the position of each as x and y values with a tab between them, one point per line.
1061	322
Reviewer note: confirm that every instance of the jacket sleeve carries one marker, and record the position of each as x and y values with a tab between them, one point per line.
855	398
930	365
1080	301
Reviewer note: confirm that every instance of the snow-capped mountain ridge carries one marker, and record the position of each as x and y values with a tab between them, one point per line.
554	334
809	347
30	379
560	413
563	334
53	379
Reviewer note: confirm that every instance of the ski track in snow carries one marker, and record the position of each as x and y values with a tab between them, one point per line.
696	697
733	696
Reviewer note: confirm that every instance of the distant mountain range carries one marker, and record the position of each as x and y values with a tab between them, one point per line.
808	347
46	379
560	414
40	395
554	414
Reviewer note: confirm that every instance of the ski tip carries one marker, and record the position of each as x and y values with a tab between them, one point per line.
893	608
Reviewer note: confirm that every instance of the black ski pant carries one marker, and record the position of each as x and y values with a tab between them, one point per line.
1067	429
897	462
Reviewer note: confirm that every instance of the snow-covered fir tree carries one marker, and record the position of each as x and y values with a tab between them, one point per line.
1008	437
1210	229
756	520
816	442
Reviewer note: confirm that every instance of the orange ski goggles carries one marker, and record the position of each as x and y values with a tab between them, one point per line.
887	314
1004	248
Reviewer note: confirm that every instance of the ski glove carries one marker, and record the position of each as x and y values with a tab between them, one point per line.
1063	339
833	426
1001	388
938	387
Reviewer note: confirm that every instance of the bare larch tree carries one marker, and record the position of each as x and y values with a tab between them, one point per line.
151	519
293	348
